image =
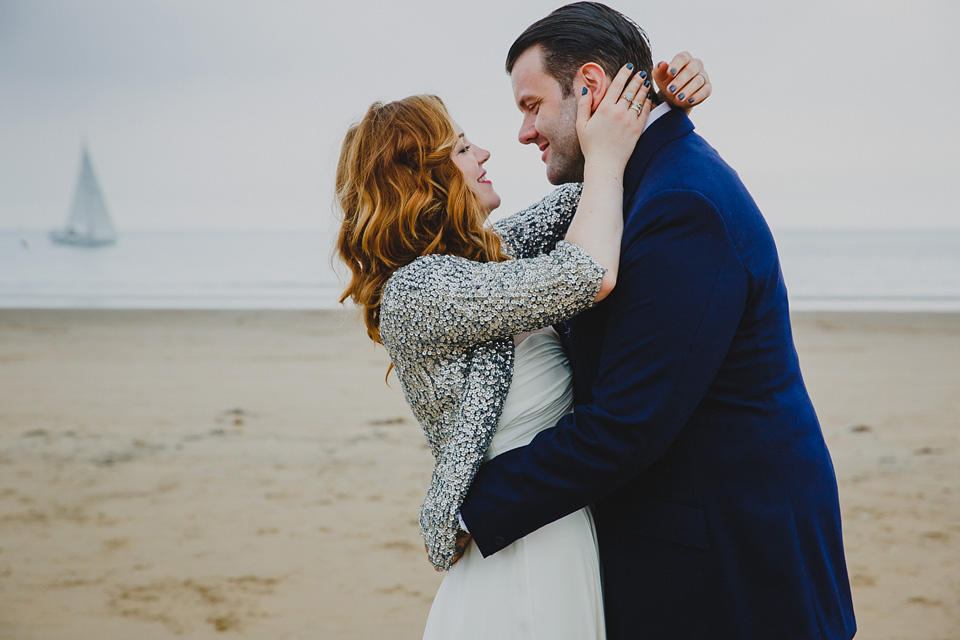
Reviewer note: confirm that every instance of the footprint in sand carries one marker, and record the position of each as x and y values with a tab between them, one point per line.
926	451
227	604
236	416
399	589
926	602
937	535
139	449
114	544
863	580
386	421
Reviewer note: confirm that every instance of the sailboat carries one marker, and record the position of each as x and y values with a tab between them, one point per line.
89	224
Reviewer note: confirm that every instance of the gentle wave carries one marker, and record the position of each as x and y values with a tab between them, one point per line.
824	270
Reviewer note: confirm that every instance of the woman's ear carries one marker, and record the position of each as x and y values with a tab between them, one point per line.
593	76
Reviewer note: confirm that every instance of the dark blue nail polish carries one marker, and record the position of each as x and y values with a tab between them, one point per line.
629	65
672	88
680	97
673	72
584	91
643	74
690	100
646	83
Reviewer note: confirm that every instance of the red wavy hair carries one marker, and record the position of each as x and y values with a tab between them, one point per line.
402	197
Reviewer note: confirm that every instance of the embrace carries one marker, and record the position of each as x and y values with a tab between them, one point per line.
623	443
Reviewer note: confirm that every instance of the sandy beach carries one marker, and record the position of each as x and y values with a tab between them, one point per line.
204	474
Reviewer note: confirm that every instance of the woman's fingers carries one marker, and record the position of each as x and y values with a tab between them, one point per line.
679	75
583	109
636	109
665	73
645	111
687	79
616	87
693	96
678	63
632	91
683	81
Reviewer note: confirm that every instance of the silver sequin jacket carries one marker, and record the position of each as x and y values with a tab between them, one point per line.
448	325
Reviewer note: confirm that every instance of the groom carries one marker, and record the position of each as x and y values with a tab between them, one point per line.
693	436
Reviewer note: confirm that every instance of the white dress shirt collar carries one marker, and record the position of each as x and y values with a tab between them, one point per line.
658	111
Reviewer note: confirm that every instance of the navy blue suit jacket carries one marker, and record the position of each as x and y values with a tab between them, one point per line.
693	435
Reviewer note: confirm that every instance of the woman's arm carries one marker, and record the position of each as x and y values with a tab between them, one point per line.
536	230
598	224
448	300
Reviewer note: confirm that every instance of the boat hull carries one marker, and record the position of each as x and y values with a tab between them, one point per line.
72	238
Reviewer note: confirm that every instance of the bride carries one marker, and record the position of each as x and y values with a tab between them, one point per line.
465	313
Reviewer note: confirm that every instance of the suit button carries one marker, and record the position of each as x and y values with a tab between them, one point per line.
499	541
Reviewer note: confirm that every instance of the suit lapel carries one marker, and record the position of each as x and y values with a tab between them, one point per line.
583	337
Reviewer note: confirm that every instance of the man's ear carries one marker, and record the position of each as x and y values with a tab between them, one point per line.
595	78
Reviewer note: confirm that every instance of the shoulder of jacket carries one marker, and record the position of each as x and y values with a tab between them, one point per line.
419	284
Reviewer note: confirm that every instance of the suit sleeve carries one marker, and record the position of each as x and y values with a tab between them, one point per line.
680	296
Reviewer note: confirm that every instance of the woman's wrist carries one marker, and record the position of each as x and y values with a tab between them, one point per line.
595	170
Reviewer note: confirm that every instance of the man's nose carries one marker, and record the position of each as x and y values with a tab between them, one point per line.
528	131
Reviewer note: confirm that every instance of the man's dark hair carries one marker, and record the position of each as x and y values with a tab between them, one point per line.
583	32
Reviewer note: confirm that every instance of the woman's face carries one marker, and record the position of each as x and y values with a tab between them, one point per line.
469	158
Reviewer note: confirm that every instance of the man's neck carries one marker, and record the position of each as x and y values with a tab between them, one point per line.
660	110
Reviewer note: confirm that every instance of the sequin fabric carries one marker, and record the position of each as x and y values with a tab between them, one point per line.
448	325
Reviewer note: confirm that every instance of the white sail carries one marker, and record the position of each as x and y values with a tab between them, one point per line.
89	223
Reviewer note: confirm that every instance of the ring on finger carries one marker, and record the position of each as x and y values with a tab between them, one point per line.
629	97
635	106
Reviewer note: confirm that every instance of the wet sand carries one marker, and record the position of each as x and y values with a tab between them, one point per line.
197	473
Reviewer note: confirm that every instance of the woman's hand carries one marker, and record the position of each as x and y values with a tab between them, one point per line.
683	83
460	547
609	135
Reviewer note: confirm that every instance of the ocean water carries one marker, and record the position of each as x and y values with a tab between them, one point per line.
871	270
824	270
170	270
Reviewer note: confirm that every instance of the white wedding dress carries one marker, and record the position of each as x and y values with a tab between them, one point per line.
545	586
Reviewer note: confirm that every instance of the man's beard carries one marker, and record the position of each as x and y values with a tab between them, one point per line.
566	157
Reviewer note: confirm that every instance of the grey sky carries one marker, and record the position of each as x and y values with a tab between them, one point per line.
229	114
